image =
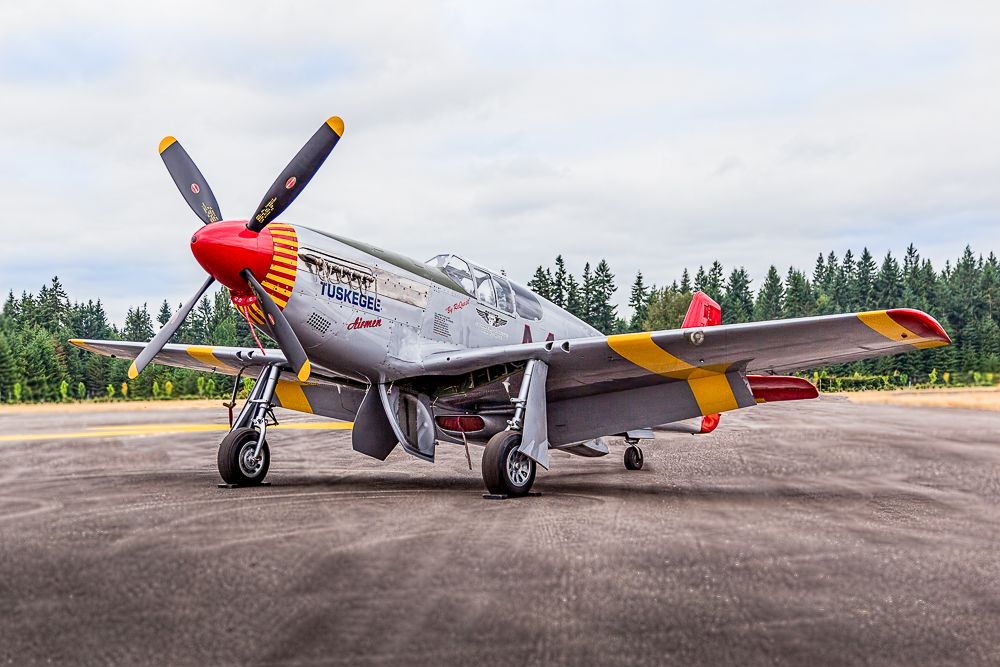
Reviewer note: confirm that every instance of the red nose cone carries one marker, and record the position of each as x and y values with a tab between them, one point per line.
225	248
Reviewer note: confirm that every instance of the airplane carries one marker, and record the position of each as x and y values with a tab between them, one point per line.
449	351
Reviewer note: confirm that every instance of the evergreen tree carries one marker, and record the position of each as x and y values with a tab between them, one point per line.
52	306
847	300
138	324
700	279
888	288
603	309
685	285
713	282
737	301
559	283
540	284
799	298
587	295
574	300
7	370
165	313
638	301
771	298
864	282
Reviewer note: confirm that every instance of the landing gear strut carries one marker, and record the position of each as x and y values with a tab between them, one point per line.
244	456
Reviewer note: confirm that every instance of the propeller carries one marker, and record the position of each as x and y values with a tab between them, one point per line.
239	246
166	333
188	179
293	179
284	336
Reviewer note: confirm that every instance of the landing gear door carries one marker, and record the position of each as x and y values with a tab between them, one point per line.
411	420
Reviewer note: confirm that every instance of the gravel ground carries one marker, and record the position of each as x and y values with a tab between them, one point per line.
823	532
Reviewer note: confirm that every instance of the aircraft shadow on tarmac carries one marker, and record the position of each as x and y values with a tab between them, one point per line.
592	484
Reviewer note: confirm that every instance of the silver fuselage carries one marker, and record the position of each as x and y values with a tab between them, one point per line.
373	315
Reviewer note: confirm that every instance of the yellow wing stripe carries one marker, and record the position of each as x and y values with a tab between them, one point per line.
713	393
205	355
879	321
711	389
292	397
640	349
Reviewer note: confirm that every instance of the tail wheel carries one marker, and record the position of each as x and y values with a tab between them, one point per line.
237	464
633	458
507	471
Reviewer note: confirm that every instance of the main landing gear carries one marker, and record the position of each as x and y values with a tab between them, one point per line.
633	455
244	456
507	471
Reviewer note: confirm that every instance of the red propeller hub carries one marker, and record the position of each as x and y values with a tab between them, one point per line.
226	248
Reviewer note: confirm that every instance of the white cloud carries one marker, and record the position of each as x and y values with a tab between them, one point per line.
658	136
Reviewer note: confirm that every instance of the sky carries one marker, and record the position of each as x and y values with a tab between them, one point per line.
657	135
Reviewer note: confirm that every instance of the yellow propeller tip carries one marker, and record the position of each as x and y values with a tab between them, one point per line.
166	143
75	341
336	124
305	371
133	372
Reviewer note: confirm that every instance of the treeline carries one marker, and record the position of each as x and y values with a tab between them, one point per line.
964	296
37	363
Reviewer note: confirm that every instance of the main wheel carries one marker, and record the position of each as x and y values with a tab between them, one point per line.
507	471
633	458
237	464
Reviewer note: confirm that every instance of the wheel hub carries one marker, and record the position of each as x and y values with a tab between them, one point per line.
518	467
248	464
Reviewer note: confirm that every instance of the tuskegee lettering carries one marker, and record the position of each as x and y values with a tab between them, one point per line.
351	297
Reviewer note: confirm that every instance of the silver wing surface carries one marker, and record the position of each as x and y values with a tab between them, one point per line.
210	358
322	394
615	383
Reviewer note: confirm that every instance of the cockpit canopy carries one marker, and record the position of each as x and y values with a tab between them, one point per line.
489	288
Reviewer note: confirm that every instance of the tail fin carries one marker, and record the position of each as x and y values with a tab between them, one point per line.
704	312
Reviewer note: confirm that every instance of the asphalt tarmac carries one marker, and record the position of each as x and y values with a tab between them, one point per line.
822	532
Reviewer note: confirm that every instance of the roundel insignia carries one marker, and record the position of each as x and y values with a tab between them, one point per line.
194	188
290	183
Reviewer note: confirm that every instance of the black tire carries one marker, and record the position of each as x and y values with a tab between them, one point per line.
496	472
633	458
233	449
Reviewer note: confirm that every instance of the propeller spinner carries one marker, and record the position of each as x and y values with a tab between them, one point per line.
236	252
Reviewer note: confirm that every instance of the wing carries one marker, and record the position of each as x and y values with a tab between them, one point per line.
323	394
631	380
225	360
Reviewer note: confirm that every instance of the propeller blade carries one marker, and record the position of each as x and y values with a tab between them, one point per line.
188	179
282	330
164	335
298	173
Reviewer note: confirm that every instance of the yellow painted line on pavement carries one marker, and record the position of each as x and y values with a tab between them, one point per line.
132	430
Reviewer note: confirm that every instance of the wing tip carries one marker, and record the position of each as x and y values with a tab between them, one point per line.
921	324
166	143
336	123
